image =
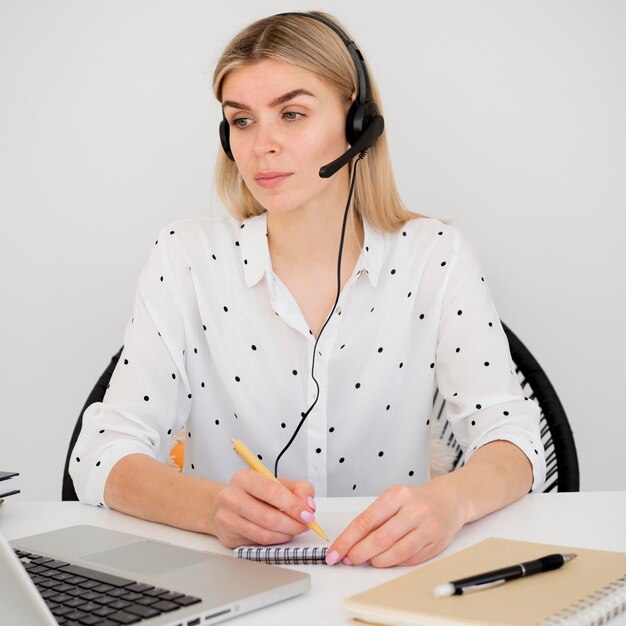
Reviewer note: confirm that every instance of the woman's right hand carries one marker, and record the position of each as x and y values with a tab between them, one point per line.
254	509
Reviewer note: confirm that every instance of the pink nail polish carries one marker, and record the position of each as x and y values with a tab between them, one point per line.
332	557
307	517
311	502
347	561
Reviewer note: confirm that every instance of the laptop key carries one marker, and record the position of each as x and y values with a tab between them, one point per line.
39	560
62	587
22	553
91	620
103	588
76	580
75	615
143	611
157	591
76	591
117	592
170	595
61	598
75	602
165	606
89	594
148	600
119	604
121	617
61	576
103	611
138	587
131	596
104	599
54	564
187	600
60	611
95	575
34	568
90	607
90	584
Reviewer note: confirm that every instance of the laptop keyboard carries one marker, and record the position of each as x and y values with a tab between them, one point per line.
78	595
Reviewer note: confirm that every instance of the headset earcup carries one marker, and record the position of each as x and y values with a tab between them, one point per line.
225	139
359	117
354	126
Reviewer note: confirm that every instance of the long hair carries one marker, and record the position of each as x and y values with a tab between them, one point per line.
310	45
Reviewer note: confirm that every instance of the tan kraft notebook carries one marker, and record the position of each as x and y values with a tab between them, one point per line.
594	582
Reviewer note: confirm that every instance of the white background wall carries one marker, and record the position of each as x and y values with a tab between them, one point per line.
505	116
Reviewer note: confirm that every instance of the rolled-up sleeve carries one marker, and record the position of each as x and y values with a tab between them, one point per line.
474	369
148	398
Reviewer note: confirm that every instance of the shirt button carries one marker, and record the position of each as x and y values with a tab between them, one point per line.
338	309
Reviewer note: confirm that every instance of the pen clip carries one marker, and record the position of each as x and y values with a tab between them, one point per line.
470	588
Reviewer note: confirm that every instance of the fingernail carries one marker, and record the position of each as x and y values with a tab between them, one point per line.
307	517
347	561
311	502
332	557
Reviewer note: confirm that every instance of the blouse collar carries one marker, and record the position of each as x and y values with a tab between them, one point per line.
256	256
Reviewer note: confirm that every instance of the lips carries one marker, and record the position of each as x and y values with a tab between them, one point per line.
271	179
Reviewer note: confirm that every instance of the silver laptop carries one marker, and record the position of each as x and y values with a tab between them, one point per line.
126	579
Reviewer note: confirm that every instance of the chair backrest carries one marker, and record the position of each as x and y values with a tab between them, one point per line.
556	434
558	441
97	394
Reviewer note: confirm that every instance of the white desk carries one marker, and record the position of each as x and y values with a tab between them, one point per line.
586	520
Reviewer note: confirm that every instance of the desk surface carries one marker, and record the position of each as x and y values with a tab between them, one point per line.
586	520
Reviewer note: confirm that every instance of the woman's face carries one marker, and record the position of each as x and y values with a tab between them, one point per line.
285	123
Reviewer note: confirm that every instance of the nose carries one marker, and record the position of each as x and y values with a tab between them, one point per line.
266	139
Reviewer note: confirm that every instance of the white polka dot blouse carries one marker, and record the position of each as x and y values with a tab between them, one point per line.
217	343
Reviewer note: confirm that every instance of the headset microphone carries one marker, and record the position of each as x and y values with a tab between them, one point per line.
373	131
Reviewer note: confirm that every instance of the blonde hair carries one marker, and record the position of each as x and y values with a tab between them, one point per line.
310	45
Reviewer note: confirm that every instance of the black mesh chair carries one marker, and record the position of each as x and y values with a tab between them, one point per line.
97	393
556	434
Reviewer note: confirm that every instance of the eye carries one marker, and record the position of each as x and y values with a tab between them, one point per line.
292	116
241	122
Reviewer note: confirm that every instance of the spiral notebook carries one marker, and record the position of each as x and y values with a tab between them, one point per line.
589	590
305	549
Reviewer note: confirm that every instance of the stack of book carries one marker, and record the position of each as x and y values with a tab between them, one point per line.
8	485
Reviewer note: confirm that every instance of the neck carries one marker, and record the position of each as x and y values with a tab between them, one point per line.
312	237
309	237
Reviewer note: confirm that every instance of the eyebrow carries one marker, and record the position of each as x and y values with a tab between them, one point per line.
290	95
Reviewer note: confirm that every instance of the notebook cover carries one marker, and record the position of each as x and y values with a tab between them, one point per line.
409	600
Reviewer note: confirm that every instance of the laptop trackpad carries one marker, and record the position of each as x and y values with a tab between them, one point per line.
148	558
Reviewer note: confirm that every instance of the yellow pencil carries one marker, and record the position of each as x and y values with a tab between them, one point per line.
253	463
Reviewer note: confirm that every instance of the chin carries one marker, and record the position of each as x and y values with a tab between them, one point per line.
279	204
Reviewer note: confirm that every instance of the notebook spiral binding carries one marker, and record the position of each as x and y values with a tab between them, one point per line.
596	609
282	556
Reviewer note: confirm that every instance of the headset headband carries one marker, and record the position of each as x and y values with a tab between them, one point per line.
364	91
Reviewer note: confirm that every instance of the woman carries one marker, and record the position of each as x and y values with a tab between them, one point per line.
249	327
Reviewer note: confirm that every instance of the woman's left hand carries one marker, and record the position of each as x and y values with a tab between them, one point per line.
404	526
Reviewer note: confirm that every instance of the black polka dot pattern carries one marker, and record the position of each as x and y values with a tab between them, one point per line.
418	316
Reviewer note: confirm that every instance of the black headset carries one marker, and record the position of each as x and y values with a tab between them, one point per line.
364	123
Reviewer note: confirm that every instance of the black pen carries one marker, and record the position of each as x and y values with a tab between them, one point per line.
500	576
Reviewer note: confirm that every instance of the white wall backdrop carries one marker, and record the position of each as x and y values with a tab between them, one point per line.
506	117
